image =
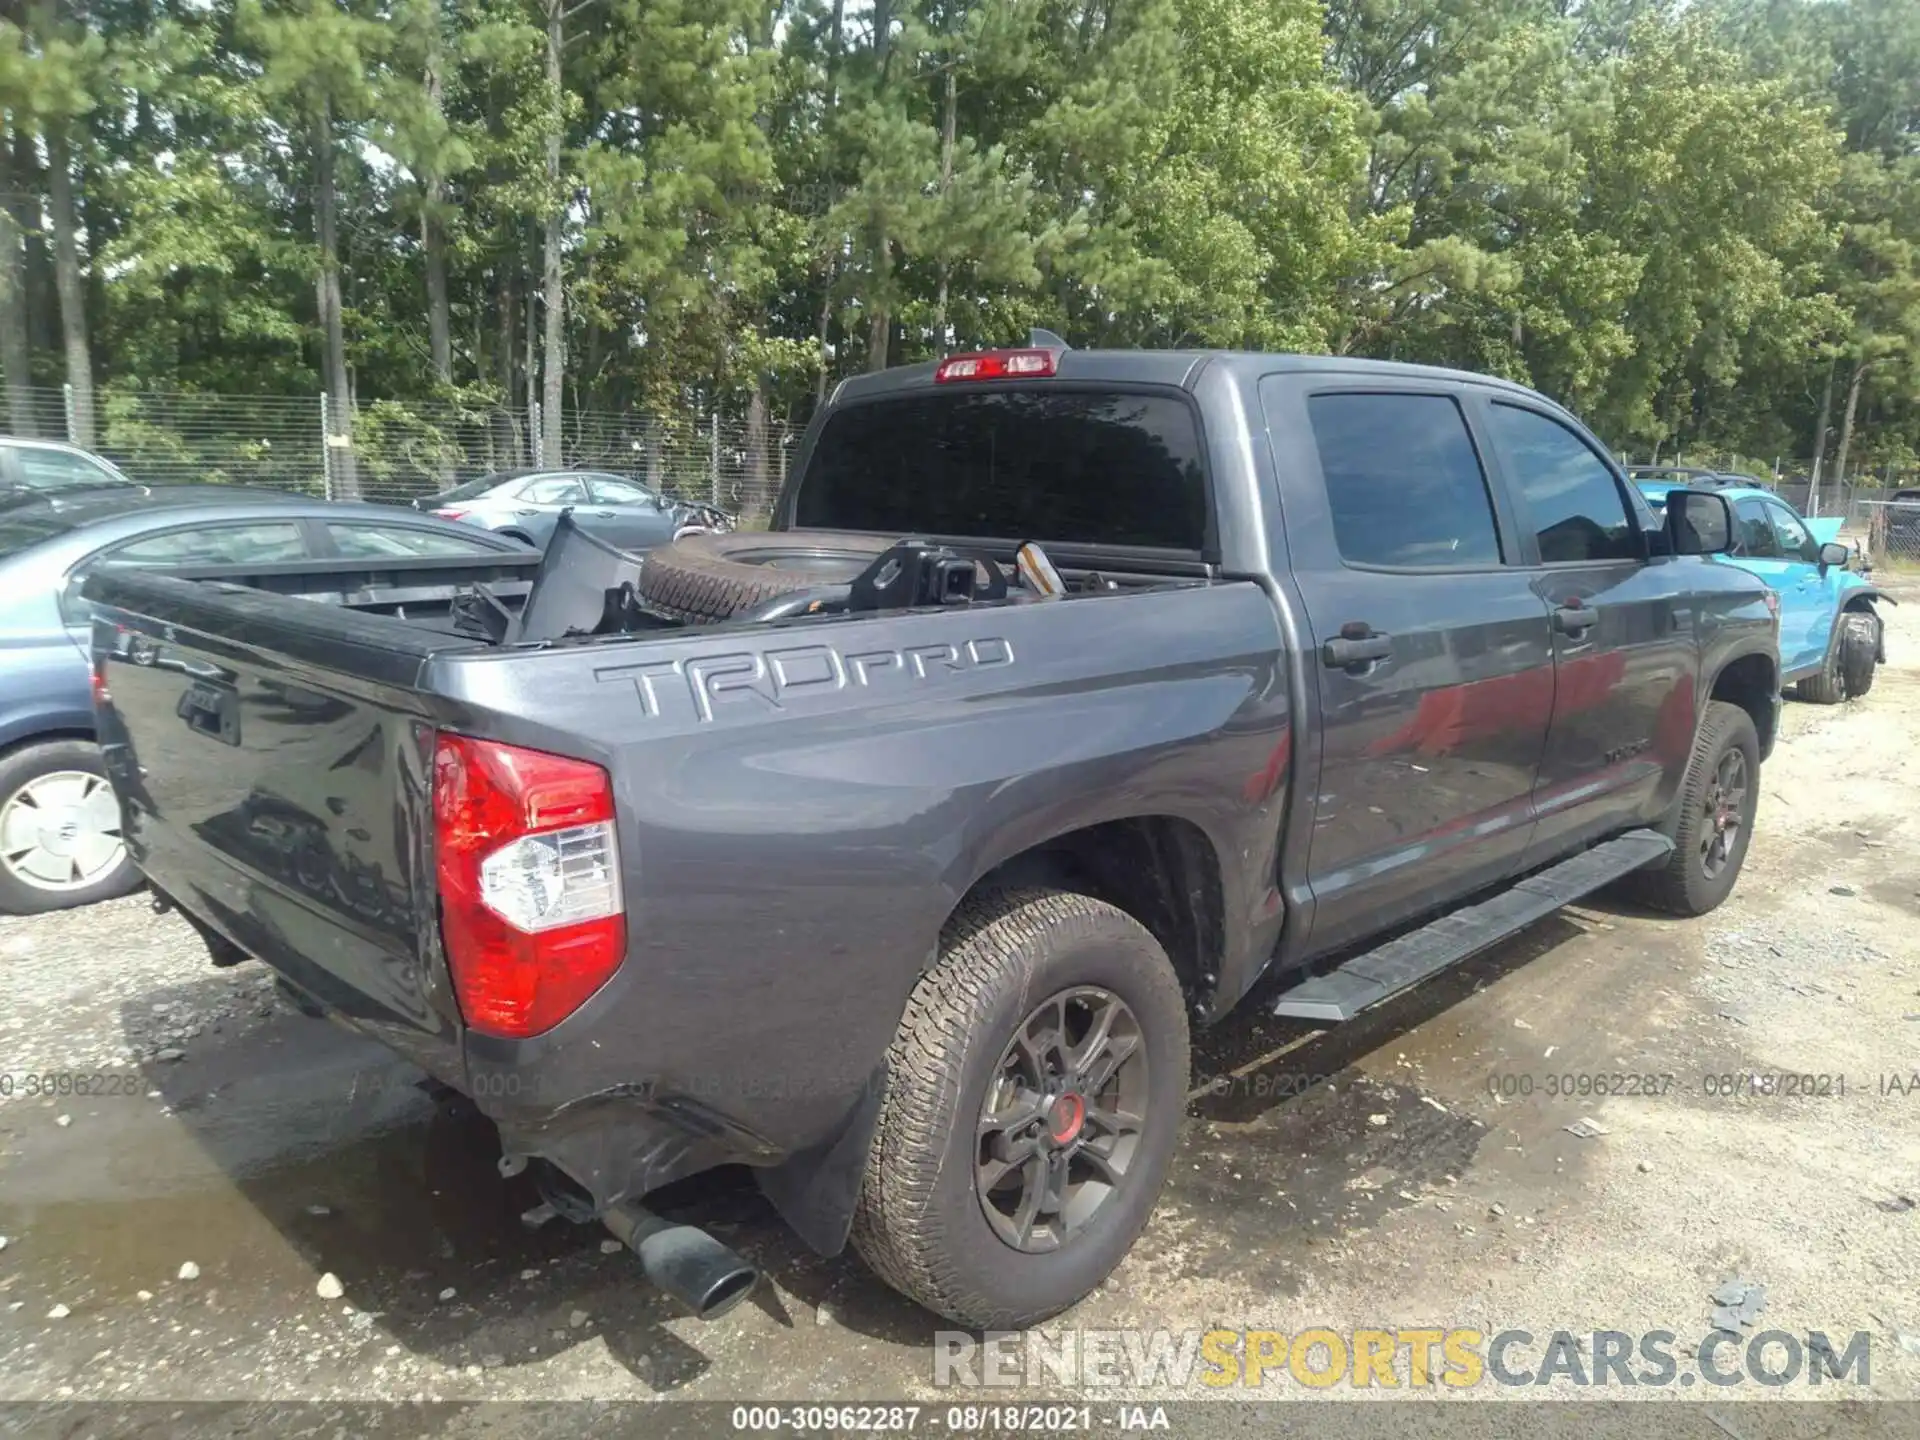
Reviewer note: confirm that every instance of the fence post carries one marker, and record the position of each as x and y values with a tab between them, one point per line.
67	393
713	459
326	448
537	441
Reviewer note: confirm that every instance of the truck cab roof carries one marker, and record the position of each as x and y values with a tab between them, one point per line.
1179	368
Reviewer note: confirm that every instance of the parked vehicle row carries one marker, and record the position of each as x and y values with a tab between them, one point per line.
1073	700
527	504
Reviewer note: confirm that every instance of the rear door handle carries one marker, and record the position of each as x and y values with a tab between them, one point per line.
1574	620
1357	644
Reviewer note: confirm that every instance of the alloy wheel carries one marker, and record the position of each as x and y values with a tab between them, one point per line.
1725	811
1062	1118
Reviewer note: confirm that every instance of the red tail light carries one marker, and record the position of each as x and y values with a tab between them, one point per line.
101	696
449	512
529	869
997	365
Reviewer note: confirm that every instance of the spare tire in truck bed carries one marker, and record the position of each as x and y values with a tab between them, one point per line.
713	575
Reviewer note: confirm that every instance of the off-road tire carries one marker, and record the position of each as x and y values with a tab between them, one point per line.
1680	885
1847	672
19	768
919	1223
715	575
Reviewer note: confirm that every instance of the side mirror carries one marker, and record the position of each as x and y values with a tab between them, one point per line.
1834	555
1699	522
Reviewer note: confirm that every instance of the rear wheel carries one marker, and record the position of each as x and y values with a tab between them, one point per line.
1034	1095
1715	821
60	841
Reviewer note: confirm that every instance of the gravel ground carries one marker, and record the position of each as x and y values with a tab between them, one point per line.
266	1207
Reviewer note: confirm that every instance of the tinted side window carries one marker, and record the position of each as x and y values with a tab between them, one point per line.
228	544
1098	468
1753	536
1577	510
386	542
1403	480
216	545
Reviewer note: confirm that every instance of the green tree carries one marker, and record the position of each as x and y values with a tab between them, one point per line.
412	122
1694	222
53	87
315	57
16	80
1606	203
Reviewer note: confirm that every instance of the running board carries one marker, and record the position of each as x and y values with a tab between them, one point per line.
1342	993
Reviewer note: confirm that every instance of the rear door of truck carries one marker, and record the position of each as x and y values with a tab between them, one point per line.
1624	622
1434	659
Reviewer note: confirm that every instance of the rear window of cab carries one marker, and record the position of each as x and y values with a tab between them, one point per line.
1044	463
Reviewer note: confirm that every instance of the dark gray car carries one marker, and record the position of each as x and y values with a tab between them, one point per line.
60	841
901	880
527	504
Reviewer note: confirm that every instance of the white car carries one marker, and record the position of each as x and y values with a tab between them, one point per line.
43	468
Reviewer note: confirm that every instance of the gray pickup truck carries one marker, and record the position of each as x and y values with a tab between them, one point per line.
893	857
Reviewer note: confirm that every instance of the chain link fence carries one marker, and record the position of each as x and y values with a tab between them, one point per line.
396	451
1890	531
1879	512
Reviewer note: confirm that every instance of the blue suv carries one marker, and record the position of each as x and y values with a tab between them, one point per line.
1831	638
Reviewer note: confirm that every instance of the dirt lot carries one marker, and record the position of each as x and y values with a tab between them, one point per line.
262	1151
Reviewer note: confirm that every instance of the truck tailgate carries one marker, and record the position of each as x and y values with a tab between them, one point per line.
273	776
